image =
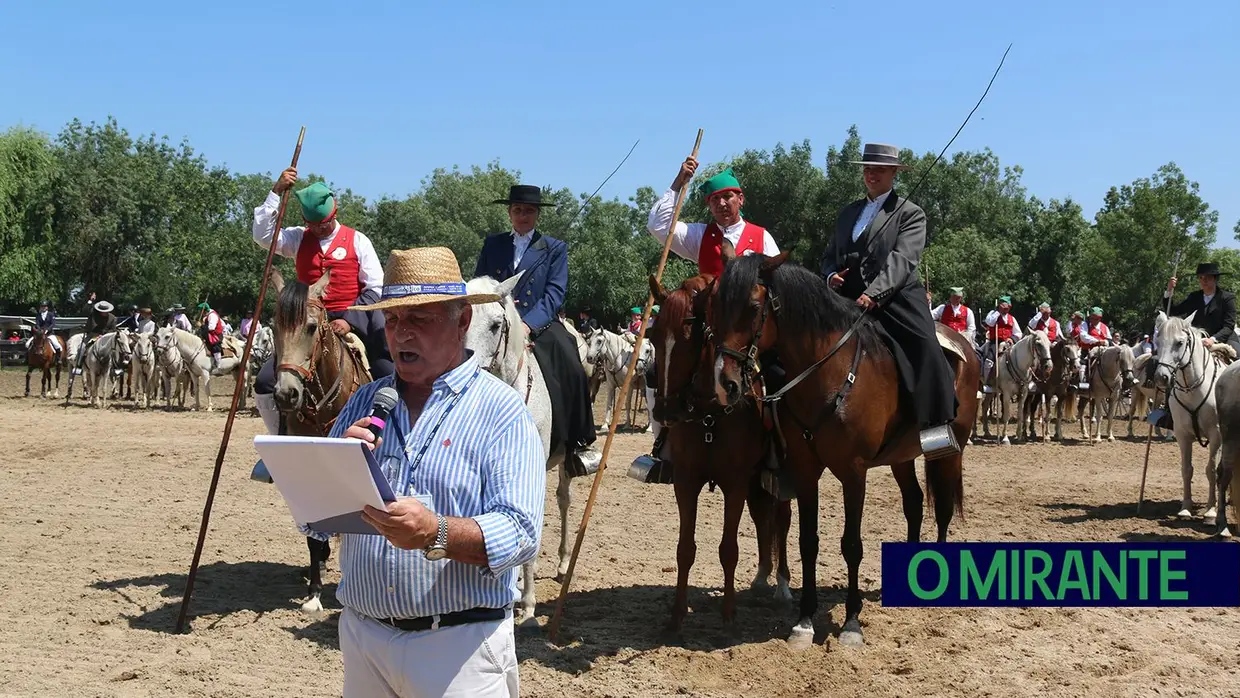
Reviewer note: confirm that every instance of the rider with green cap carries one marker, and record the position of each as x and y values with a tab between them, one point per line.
211	329
1001	328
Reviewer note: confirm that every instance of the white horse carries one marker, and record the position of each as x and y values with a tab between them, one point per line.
497	337
1110	374
170	367
143	369
613	353
197	361
1190	371
1013	371
264	346
109	351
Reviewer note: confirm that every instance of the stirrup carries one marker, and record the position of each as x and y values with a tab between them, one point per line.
260	473
778	484
1160	418
938	442
582	462
651	471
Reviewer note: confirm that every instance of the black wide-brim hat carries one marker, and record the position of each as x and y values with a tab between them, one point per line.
524	194
1208	269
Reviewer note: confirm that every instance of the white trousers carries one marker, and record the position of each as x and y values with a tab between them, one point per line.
54	339
476	659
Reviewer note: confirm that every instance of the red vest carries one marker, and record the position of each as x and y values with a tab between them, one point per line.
214	336
958	321
1074	332
1099	331
340	258
1050	326
1002	327
710	253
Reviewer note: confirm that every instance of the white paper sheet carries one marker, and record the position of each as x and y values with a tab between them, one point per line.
325	479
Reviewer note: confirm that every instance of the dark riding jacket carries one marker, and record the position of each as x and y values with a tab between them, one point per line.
1218	317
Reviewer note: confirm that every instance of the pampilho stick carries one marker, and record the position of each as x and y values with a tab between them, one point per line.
1149	436
554	626
232	410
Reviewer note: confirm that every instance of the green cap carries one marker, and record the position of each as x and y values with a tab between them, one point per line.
1095	310
1005	299
637	311
957	290
317	202
654	310
1044	306
203	306
724	181
1077	313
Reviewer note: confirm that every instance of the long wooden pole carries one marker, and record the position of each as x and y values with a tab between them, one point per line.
236	398
1149	436
554	626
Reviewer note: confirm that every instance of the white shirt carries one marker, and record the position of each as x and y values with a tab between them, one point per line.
971	327
868	213
1087	338
371	271
992	319
212	320
687	240
181	322
146	326
1205	300
520	243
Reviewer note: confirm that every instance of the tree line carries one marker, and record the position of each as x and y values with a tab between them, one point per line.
139	220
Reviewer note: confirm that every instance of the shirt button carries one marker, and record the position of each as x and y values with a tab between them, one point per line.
391	590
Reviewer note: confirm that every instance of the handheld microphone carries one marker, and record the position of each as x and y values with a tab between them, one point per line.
380	409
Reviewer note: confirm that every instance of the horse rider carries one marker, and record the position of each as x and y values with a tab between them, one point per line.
702	244
99	322
45	320
542	262
1043	321
132	320
873	259
1213	310
179	320
324	244
243	330
1093	334
956	315
211	330
1001	329
146	324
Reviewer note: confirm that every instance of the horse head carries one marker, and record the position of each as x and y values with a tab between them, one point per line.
143	352
744	322
122	349
683	355
496	334
1179	348
1042	354
300	328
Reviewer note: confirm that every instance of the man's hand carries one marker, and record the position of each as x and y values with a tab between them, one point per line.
687	168
286	179
341	326
406	524
1208	342
837	279
1171	285
358	430
866	302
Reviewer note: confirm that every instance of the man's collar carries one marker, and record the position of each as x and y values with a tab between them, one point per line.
526	236
880	199
456	379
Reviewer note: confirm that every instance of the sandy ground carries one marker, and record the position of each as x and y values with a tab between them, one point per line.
100	513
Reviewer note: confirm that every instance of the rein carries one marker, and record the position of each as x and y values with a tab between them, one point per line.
1182	367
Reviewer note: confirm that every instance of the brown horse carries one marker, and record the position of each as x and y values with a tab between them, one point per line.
713	444
316	373
846	409
40	355
1061	384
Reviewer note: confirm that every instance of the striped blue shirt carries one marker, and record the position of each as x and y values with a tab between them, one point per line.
485	462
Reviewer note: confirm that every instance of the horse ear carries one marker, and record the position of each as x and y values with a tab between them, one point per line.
770	264
276	281
316	291
657	290
1189	319
727	251
506	287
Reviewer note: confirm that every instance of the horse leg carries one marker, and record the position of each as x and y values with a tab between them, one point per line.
28	371
802	635
1211	480
945	484
1113	403
564	498
686	548
729	552
1003	419
850	547
319	552
762	513
1185	441
1224	482
910	490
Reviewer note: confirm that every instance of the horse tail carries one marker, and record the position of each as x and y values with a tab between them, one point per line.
945	484
1069	410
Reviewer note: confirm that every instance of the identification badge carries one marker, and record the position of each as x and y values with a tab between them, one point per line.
427	501
338	253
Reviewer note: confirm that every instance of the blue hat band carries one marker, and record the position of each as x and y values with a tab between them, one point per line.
404	290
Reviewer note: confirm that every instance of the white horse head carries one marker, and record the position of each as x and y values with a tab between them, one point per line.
496	334
1179	350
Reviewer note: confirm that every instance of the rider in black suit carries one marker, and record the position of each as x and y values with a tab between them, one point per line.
1213	310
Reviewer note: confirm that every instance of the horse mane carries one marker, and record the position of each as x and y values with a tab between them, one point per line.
291	305
807	304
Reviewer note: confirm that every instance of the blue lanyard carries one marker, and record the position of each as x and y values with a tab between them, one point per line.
430	437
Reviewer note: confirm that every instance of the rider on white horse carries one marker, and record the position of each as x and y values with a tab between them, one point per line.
45	320
100	322
1093	333
956	315
1001	328
211	329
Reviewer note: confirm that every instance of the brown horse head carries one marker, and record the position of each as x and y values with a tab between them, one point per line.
682	353
300	331
744	324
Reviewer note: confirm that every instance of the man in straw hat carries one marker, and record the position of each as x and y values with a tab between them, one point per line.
542	262
324	244
956	315
873	259
427	603
99	322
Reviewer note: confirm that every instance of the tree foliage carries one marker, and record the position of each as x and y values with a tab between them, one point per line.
138	219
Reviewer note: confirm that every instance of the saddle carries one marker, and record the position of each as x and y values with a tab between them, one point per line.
1223	352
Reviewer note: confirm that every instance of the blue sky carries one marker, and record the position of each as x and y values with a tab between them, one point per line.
1093	94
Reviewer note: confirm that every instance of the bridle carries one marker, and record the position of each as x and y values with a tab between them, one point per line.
1181	367
311	408
500	356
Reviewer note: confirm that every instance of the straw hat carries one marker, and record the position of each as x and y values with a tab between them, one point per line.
424	275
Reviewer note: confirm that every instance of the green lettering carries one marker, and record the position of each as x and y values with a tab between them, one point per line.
1143	578
970	576
1166	574
1073	565
1014	586
1038	577
1103	569
944	575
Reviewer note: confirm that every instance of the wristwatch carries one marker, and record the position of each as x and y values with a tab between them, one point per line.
439	549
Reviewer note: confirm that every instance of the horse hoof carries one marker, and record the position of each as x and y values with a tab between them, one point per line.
801	639
314	605
1185	514
1223	532
851	638
1006	441
783	594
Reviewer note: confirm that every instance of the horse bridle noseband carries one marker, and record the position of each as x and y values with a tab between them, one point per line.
1178	368
310	411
